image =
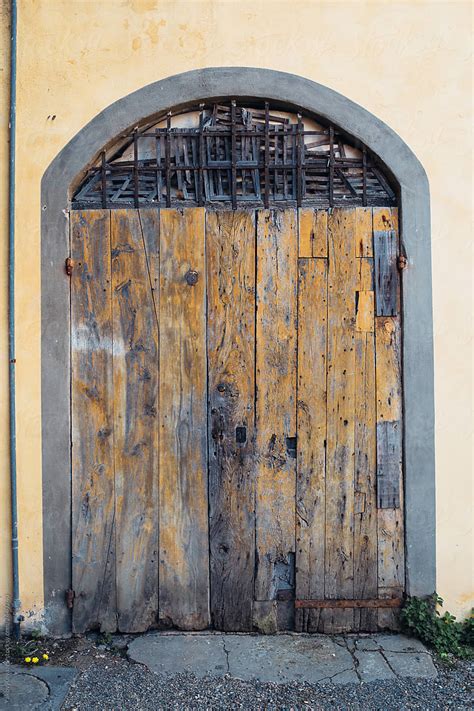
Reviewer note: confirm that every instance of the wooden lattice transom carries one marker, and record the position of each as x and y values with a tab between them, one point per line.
225	155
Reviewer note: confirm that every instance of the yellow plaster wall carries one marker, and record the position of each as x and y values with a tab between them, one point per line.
406	62
5	558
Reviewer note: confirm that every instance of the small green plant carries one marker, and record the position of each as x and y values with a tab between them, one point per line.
105	638
421	618
467	634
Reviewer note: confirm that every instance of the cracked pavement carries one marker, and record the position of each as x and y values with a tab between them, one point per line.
174	671
284	658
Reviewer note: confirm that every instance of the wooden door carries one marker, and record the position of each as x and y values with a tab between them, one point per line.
236	419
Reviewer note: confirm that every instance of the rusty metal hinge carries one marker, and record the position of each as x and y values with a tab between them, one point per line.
69	265
357	604
402	262
70	595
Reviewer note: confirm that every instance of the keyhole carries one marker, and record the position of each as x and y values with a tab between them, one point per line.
240	435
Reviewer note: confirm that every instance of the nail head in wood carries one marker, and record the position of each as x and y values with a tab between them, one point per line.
191	277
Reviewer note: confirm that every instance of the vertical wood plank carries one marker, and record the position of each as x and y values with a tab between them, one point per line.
363	232
311	450
391	571
276	400
230	250
135	363
184	544
385	218
93	486
389	464
365	269
312	232
386	249
365	311
342	280
389	394
386	273
150	226
365	509
305	232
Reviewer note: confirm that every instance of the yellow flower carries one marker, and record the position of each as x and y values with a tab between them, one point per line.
27	659
35	660
45	656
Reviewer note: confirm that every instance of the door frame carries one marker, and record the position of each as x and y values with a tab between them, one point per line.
57	185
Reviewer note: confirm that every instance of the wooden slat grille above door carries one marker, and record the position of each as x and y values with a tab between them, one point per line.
235	156
237	418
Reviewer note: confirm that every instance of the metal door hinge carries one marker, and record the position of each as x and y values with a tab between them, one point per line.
402	262
69	266
70	595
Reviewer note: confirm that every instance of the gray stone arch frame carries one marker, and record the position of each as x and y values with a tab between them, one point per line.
63	175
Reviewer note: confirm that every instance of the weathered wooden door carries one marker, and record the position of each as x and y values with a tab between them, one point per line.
236	419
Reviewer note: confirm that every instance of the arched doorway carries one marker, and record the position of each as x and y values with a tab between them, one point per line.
236	377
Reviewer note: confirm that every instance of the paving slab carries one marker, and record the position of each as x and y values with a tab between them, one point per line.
286	658
199	654
372	666
280	658
412	665
345	677
399	643
366	644
42	688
